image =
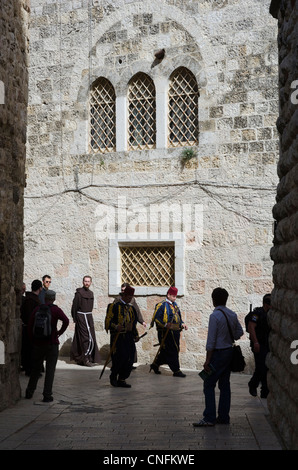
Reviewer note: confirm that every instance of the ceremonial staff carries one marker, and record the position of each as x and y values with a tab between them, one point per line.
110	354
113	349
142	336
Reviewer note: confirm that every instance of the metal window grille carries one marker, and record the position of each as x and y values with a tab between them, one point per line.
103	116
148	265
141	112
183	108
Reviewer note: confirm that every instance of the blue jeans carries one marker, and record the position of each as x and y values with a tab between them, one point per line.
221	360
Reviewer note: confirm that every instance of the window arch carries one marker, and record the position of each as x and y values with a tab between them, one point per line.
102	116
183	108
141	112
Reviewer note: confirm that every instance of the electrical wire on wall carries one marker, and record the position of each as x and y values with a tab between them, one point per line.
209	188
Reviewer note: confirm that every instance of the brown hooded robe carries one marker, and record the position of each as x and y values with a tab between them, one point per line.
84	349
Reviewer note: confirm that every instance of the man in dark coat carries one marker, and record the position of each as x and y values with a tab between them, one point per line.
133	302
258	329
31	300
84	349
46	348
121	320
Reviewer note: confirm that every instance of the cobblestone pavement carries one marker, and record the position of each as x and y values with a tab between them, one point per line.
156	414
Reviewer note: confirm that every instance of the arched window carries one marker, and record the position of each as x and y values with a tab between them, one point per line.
183	108
141	112
102	116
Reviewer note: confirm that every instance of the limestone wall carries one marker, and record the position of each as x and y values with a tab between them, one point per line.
230	47
13	110
283	368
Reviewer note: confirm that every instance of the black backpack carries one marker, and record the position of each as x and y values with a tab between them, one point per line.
247	318
42	327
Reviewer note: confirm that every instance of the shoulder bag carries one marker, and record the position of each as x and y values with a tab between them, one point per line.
238	361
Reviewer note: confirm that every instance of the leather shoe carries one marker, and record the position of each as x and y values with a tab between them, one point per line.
47	399
252	390
113	381
122	383
155	368
179	374
28	394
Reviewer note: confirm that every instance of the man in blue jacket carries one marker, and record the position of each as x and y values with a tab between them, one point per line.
168	321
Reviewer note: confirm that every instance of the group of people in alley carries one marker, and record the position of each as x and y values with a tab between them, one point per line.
122	317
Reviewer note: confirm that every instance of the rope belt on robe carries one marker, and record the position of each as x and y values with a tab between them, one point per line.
91	342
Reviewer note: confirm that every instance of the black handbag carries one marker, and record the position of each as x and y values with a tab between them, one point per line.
238	362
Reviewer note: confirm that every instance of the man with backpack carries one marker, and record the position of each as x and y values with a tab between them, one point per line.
42	330
258	329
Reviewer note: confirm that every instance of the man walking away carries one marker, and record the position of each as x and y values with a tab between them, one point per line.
46	348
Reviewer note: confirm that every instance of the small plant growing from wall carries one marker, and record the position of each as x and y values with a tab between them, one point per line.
187	155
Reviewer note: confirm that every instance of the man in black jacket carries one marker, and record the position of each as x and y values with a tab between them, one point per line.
45	349
31	300
258	329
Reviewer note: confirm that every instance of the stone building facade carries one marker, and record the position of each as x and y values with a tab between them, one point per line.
283	358
203	197
13	110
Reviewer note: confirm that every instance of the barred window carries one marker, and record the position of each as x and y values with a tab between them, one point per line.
183	108
148	265
142	112
102	116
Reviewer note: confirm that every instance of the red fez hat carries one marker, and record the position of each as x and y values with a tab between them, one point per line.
128	291
173	291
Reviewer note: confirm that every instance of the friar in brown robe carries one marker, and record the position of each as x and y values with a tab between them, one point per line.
84	350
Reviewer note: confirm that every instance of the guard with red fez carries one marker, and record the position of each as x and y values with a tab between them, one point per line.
121	320
168	321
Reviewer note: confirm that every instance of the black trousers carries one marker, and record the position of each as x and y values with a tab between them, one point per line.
123	356
26	351
48	353
169	353
260	373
